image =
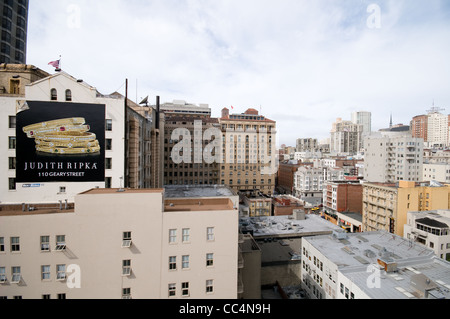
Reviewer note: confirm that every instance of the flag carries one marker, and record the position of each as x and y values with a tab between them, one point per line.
54	64
232	107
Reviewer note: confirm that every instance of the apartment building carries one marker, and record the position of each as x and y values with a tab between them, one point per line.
436	172
342	196
285	176
307	145
419	127
385	206
435	156
391	158
249	152
372	265
157	244
308	182
431	229
13	29
346	137
257	204
50	168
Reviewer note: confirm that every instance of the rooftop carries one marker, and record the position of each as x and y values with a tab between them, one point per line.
354	253
186	191
286	226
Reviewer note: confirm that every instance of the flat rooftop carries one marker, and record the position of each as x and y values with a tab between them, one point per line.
354	253
200	204
286	226
186	191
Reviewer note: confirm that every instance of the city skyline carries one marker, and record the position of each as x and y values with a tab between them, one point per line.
300	63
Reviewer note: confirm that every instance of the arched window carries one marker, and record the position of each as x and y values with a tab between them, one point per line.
68	95
53	95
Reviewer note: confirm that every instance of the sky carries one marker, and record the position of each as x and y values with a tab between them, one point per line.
302	63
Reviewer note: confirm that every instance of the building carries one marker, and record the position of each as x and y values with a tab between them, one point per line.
257	204
14	29
364	119
390	158
307	145
184	128
385	206
438	128
285	176
372	265
249	265
285	205
346	137
419	127
249	159
431	229
342	196
124	243
436	172
308	183
279	239
46	168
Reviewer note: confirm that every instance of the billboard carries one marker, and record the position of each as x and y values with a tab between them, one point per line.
60	142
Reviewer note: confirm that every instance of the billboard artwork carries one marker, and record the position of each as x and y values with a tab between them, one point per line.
60	142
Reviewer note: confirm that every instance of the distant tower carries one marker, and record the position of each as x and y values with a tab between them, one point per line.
13	31
391	124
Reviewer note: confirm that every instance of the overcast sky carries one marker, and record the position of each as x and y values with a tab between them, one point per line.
304	63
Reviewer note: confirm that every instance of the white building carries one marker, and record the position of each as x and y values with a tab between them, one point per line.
438	129
436	172
141	244
372	265
308	182
346	137
391	158
430	228
59	87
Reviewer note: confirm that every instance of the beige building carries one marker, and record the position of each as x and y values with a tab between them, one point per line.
247	138
123	243
385	206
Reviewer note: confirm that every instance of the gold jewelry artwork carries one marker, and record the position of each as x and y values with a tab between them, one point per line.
63	136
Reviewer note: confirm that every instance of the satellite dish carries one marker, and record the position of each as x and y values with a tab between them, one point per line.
144	101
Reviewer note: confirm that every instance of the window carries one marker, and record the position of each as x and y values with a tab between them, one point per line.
60	243
108	163
126	267
12	122
45	296
53	95
172	236
108	125
126	293
108	182
209	260
185	262
172	263
2	244
61	296
172	290
45	243
12	142
210	234
126	239
108	144
186	236
15	244
185	289
209	286
12	163
60	272
2	275
45	272
68	95
11	183
16	276
14	86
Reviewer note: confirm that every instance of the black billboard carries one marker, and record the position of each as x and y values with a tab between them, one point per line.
60	142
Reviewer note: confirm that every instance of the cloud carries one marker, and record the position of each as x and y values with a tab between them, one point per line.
305	62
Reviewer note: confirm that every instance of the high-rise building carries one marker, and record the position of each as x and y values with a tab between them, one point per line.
434	127
184	144
14	31
364	119
392	158
419	127
307	145
249	156
385	205
346	137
